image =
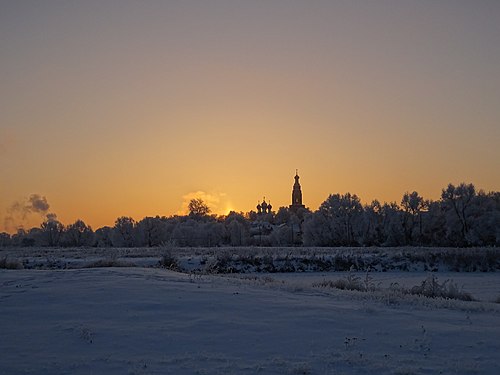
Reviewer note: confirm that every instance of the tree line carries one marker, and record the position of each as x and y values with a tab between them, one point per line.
461	217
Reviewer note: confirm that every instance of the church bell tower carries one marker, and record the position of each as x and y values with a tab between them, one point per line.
296	194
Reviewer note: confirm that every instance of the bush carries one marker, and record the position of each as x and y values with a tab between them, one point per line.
170	262
342	284
431	287
10	265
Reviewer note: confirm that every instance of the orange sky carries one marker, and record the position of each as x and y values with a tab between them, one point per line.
128	108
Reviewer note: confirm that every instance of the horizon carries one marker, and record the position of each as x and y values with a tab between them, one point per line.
124	109
36	209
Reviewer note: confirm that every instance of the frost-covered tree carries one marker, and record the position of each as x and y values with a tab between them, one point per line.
283	216
457	201
434	225
150	232
103	237
337	222
284	235
237	229
211	233
345	213
124	232
413	205
317	231
79	234
392	224
484	220
52	231
373	229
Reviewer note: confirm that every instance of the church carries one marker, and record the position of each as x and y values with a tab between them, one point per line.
265	231
265	207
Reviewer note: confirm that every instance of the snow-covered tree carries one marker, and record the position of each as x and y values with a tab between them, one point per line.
124	232
413	205
150	232
457	201
434	225
78	234
392	224
337	222
484	220
237	229
103	237
52	230
373	229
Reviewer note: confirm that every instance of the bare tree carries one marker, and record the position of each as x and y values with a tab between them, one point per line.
198	208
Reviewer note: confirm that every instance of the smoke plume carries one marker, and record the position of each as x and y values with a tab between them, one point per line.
22	212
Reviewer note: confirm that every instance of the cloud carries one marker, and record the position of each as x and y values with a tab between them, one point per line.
22	212
38	204
217	202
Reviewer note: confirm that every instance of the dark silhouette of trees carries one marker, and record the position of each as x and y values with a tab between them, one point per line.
103	237
52	231
457	202
462	217
413	206
373	225
79	234
123	234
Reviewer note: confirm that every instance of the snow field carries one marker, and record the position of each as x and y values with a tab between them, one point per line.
155	321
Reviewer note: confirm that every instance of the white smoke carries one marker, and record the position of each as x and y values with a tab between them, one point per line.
22	212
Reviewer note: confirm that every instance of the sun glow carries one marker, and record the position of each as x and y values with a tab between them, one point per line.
217	105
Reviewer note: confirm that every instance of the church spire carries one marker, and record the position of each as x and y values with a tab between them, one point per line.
296	193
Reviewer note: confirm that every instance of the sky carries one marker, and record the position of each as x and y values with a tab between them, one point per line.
113	108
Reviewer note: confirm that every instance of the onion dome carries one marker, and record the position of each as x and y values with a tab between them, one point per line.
264	206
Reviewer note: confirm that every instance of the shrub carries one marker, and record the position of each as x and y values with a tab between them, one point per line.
431	287
10	265
351	282
169	261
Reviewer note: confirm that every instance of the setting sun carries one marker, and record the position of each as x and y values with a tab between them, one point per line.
132	112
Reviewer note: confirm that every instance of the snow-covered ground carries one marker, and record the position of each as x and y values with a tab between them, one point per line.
481	286
156	321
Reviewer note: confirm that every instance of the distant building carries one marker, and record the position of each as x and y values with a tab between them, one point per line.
264	208
264	231
296	194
